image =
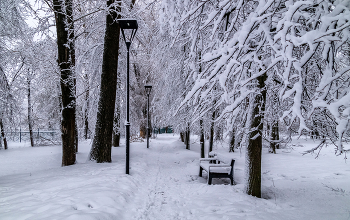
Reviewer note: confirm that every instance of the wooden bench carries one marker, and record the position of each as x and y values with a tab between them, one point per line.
216	168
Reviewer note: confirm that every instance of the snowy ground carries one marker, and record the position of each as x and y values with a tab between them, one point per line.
164	184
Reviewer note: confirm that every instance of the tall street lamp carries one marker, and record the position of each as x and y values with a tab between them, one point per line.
148	92
128	28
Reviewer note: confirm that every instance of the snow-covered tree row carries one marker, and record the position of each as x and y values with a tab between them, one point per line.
239	50
302	45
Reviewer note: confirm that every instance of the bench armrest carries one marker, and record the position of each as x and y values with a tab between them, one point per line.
219	165
207	159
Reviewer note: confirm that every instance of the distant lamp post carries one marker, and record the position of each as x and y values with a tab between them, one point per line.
128	28
148	92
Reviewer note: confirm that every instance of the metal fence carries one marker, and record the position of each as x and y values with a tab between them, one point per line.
40	136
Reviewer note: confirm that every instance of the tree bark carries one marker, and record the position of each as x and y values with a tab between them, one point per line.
86	111
3	134
182	137
116	127
86	125
211	138
71	41
76	137
187	137
116	120
143	130
102	143
202	138
232	141
116	140
255	141
5	89
65	39
274	137
30	112
274	126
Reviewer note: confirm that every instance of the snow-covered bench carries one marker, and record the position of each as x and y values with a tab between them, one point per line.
217	168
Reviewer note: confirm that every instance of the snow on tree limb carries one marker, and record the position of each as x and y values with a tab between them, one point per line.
300	43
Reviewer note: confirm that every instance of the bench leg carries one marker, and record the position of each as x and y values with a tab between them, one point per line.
200	171
209	179
231	180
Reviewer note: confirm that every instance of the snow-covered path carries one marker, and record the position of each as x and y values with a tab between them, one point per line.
162	189
169	186
164	184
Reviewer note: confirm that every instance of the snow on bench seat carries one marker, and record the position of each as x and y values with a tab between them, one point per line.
216	168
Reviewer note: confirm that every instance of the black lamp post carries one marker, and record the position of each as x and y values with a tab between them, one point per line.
148	92
128	28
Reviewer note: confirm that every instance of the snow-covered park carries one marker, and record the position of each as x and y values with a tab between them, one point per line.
164	184
260	76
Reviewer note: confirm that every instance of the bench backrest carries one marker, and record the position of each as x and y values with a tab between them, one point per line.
223	158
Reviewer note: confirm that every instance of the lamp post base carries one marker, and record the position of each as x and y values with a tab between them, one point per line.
127	144
147	137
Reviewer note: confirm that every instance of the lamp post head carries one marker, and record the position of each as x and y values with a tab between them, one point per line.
148	89
128	28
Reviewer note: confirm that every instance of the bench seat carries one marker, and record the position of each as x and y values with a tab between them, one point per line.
216	168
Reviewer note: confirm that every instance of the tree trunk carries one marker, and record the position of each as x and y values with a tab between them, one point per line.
232	141
116	120
182	137
86	125
219	133
202	138
274	137
187	137
243	137
76	137
102	143
255	141
87	107
143	131
276	134
65	39
116	140
71	37
116	127
274	131
30	112
211	138
3	134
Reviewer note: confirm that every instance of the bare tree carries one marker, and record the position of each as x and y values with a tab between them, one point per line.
102	143
29	110
3	132
255	140
4	89
66	60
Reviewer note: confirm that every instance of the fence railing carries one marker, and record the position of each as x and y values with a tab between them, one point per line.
40	136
